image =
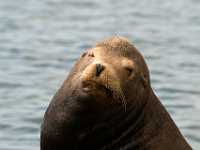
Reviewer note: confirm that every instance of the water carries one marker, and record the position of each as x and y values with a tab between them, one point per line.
40	40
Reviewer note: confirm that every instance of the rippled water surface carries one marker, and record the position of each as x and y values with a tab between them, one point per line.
40	40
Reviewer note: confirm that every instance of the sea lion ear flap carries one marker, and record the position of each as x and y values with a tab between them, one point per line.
144	80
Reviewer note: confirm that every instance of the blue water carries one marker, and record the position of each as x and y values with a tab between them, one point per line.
40	40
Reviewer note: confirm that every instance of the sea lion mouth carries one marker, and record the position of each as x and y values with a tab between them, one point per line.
93	87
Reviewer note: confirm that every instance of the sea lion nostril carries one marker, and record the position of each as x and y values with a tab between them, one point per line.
99	69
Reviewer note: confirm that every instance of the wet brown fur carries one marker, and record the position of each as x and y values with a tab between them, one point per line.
131	117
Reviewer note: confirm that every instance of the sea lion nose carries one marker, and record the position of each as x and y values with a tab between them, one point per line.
99	69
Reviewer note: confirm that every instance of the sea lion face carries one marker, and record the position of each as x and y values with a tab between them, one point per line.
113	72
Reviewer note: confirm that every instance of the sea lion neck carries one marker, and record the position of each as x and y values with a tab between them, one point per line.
143	127
137	127
75	124
154	123
115	128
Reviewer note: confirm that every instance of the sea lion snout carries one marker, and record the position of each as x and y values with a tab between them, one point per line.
99	79
92	77
93	72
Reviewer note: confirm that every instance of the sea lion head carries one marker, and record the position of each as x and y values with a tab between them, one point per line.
105	82
113	71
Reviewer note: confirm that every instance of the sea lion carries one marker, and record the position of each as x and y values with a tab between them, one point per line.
107	103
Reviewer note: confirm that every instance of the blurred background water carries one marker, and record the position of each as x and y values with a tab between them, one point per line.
40	40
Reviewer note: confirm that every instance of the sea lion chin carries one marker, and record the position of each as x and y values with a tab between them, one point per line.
107	103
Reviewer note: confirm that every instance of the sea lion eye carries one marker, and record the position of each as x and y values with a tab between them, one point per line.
128	66
129	70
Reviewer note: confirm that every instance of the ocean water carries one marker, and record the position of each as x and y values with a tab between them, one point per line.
40	41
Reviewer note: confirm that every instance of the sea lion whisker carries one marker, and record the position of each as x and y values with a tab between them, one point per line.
119	94
122	97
